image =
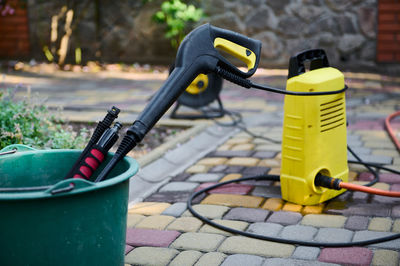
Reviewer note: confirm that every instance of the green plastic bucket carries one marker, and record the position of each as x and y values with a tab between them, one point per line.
59	226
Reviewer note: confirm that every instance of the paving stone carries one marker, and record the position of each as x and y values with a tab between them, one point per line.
352	175
250	215
202	140
180	156
175	209
299	232
209	211
243	259
396	226
147	237
368	235
229	177
269	163
313	209
157	170
179	186
233	169
273	204
128	249
233	200
362	150
269	147
245	245
238	225
187	257
383	257
284	217
230	154
275	171
180	177
366	176
334	235
145	256
267	191
158	222
225	147
134	219
185	224
360	196
218	169
294	262
346	256
240	140
389	178
205	177
382	186
395	187
258	182
173	197
198	168
243	161
379	152
306	253
380	224
324	220
243	147
396	211
373	158
198	241
239	189
266	229
148	208
255	171
211	259
367	209
357	223
264	154
292	207
212	161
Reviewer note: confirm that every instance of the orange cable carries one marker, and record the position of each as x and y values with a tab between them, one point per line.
369	190
390	130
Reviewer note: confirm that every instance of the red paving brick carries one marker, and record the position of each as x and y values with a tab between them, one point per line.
128	249
148	237
346	256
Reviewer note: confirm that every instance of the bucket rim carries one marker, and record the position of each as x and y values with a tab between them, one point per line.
81	185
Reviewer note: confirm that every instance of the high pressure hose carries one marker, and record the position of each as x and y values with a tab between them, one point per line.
390	130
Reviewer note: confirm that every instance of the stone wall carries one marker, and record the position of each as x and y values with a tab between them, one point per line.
124	31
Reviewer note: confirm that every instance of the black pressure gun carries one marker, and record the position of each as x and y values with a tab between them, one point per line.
199	53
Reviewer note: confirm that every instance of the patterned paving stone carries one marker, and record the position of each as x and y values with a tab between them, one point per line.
384	257
396	226
148	208
294	262
243	161
357	223
299	232
198	168
367	209
324	220
395	187
175	209
291	207
306	253
389	178
185	224
368	235
269	163
158	222
396	211
273	204
173	197
229	177
267	191
347	256
179	186
240	140
145	256
264	154
240	189
233	200
366	176
265	229
244	245
254	171
231	154
198	241
334	235
213	161
214	177
234	169
187	257
209	211
243	147
218	169
128	249
313	209
243	259
153	238
285	218
134	219
380	224
211	258
250	215
180	177
238	225
258	183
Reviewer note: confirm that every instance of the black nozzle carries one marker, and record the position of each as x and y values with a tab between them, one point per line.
327	182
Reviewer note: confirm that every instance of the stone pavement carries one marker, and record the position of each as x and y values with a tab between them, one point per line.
160	229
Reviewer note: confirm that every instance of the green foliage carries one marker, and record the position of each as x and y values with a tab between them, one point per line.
31	124
176	15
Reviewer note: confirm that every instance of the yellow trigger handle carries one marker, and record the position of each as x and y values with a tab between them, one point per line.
238	51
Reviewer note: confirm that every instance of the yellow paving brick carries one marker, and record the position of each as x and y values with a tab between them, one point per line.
275	171
380	224
352	175
384	257
396	226
148	208
243	161
134	219
273	204
212	161
243	147
240	140
230	177
279	156
158	222
225	147
209	211
198	168
232	200
324	220
291	207
269	163
238	225
313	209
381	185
185	224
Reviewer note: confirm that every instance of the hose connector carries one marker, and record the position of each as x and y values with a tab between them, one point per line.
327	182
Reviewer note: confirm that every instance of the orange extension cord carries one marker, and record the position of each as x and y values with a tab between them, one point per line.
370	190
390	129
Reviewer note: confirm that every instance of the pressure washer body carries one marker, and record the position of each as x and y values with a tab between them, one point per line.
314	131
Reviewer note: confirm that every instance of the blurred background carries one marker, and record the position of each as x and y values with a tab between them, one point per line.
358	35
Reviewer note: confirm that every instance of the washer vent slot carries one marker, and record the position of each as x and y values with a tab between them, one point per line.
332	114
